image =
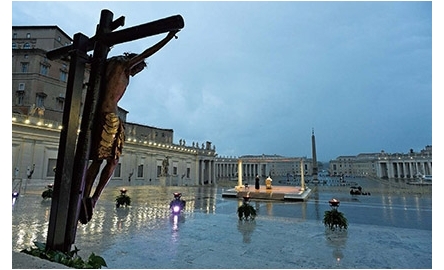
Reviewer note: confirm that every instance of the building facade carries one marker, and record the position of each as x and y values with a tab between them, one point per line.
39	84
262	165
384	165
35	146
38	100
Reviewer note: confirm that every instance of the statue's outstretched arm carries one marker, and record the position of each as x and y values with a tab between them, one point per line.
152	50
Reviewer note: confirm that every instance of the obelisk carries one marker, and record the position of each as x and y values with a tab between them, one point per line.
315	162
302	176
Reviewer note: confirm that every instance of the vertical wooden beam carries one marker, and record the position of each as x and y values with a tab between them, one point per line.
73	154
92	98
60	203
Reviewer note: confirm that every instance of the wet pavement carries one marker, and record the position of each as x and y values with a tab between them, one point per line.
386	230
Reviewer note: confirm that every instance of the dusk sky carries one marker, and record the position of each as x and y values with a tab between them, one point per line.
257	77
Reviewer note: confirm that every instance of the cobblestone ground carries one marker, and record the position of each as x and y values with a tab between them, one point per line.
386	230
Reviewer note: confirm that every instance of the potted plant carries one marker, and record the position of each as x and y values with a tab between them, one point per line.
47	194
334	219
246	211
123	199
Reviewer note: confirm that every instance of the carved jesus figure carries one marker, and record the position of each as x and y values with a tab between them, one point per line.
108	135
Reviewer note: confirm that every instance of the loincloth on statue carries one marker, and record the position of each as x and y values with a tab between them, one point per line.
108	138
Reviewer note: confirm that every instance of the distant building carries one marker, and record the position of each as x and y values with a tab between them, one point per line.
384	165
262	165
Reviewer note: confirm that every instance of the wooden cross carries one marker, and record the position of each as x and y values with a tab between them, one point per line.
73	153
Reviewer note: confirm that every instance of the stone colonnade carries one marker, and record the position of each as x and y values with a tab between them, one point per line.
403	168
274	166
207	172
229	169
140	164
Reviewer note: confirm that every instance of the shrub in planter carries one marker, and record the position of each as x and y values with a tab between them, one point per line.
47	194
246	211
335	219
123	199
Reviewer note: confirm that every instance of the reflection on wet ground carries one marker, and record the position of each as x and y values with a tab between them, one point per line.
208	233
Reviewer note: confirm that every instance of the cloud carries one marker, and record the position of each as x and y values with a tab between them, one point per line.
257	77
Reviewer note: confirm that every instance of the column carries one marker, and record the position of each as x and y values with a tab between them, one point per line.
202	170
389	169
213	172
239	173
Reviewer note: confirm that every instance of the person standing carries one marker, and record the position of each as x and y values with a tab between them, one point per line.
268	182
256	184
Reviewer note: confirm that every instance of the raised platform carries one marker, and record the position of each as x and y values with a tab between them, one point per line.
279	193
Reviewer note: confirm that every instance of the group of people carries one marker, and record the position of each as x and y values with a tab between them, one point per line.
257	180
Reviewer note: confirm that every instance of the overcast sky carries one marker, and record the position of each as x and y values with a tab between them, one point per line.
257	77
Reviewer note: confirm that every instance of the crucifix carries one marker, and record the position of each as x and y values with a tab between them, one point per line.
71	201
